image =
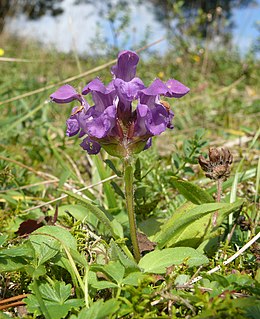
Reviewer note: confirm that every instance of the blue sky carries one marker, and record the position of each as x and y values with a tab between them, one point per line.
245	31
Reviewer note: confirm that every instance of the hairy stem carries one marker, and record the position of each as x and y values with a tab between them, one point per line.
129	195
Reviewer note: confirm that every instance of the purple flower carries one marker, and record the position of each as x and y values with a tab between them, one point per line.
125	114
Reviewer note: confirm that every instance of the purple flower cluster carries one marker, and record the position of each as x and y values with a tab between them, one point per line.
126	113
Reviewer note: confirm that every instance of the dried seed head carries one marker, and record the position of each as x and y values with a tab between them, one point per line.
218	166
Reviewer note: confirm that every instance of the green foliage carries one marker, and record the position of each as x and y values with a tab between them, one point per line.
55	298
113	229
191	192
99	310
190	224
157	261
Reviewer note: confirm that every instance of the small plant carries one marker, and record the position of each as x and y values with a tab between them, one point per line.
124	118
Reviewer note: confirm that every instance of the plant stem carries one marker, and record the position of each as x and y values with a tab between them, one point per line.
219	191
38	296
129	195
80	281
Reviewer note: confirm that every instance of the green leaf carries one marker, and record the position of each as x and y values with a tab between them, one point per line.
22	250
157	261
58	293
35	271
150	226
253	312
140	192
97	212
113	167
8	264
190	224
181	279
117	189
45	248
79	212
3	239
137	172
113	269
118	254
65	167
103	284
199	133
9	199
191	191
100	309
133	278
15	258
257	275
63	177
55	233
103	174
55	299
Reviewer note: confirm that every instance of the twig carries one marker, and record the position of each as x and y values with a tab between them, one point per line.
17	60
228	261
12	299
12	302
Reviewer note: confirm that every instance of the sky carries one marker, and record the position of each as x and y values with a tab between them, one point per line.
76	28
246	32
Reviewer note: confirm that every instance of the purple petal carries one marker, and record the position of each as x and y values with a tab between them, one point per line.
65	94
125	68
102	96
176	89
128	91
140	124
101	123
151	121
156	88
172	88
72	127
80	116
94	85
92	147
157	121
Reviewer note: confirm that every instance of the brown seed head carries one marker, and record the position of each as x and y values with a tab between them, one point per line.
218	166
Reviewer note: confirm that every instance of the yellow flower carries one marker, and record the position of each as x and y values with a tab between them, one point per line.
161	74
196	58
2	52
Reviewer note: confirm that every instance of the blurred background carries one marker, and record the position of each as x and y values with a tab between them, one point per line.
99	27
